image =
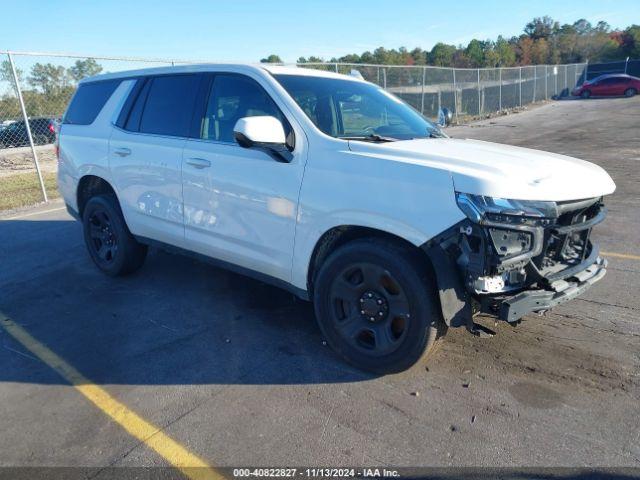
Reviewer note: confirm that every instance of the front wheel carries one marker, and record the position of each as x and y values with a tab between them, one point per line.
375	304
630	92
111	246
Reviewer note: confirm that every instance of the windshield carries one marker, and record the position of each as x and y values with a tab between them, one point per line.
356	110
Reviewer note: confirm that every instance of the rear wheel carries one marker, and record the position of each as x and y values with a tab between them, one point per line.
376	305
111	246
630	92
586	94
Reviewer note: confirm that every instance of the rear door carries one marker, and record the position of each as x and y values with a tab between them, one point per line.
145	155
240	204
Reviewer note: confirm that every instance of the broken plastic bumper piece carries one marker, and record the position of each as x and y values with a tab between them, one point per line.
514	308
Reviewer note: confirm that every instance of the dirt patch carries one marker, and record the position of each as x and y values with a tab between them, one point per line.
20	160
526	355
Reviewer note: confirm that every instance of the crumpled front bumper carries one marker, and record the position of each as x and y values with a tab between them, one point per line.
515	307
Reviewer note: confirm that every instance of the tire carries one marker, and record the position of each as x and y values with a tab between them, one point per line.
586	94
109	242
376	305
630	92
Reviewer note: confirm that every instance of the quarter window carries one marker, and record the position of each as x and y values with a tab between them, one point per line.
88	101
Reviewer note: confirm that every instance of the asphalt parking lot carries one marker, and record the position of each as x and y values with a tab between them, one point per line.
235	372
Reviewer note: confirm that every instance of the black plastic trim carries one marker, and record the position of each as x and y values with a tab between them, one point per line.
568	272
123	116
576	227
262	277
514	308
454	299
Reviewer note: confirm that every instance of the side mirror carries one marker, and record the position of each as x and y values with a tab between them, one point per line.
264	133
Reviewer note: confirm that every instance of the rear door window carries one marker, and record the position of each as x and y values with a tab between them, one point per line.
88	101
169	104
139	96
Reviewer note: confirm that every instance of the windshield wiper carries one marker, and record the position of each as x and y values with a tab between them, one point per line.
374	137
432	134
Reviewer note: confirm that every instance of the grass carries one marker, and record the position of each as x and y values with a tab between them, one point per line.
23	189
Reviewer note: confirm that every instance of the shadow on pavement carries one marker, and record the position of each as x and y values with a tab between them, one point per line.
176	321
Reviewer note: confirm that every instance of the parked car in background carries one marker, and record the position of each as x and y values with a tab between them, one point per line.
610	85
4	124
43	130
335	189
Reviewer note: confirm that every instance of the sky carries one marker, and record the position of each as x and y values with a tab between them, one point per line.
246	31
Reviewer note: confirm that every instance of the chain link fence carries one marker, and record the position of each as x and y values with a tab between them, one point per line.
467	92
38	87
35	89
628	66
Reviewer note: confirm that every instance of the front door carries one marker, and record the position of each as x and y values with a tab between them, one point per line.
240	204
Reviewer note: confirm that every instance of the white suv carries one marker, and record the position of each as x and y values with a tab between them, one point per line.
335	189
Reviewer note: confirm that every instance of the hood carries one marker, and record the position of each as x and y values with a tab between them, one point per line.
496	170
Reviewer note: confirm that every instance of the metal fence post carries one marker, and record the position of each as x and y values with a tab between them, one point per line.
546	77
500	90
586	70
384	78
626	62
535	79
336	67
555	79
424	79
520	87
479	105
455	93
566	72
28	127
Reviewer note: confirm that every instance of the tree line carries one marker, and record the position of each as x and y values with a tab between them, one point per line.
47	88
543	41
51	87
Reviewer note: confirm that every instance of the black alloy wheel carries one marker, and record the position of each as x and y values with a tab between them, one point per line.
370	309
111	246
103	239
376	304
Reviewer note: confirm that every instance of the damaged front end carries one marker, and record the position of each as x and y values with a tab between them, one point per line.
510	257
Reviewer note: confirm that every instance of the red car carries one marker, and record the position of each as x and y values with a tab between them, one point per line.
609	85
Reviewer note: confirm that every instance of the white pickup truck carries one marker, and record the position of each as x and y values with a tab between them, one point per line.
335	189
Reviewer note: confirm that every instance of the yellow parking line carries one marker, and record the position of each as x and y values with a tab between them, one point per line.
179	457
621	255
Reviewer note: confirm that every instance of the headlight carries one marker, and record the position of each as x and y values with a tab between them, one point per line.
481	209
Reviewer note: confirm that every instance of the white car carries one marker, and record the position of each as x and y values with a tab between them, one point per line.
335	189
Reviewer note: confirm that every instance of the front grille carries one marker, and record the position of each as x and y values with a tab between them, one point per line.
566	241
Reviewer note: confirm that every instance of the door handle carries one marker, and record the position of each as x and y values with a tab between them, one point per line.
122	152
198	162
